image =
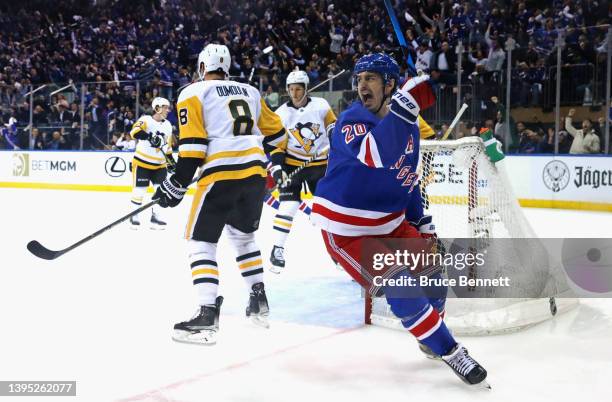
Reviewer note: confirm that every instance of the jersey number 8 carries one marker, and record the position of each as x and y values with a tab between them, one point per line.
243	120
183	116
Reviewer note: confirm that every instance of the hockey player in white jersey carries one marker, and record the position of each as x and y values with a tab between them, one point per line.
152	156
227	130
308	120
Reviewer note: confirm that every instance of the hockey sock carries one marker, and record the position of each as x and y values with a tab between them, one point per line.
248	255
138	195
428	328
436	295
271	201
204	272
410	304
251	267
305	208
283	221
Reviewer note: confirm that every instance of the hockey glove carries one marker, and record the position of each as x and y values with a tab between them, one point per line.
169	193
414	96
425	226
280	176
427	230
155	140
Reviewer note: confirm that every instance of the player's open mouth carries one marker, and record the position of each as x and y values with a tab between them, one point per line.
366	97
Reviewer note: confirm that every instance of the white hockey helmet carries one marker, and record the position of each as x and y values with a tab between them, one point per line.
215	58
298	77
159	102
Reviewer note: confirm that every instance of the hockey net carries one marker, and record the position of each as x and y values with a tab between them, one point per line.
470	197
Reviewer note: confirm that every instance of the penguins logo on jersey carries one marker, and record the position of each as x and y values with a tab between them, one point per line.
306	134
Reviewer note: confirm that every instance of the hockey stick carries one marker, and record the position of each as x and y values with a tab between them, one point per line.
455	121
41	251
327	80
425	167
194	80
265	51
301	167
322	151
400	37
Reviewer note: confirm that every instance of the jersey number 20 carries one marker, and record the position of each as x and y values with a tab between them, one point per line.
243	120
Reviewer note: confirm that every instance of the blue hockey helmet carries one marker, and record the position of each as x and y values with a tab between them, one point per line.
380	63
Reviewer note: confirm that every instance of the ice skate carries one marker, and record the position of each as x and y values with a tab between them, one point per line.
202	328
428	352
466	368
277	259
134	222
258	309
156	223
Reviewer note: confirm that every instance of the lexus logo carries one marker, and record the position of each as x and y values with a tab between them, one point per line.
556	175
115	166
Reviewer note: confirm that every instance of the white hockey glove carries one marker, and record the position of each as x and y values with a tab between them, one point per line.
411	98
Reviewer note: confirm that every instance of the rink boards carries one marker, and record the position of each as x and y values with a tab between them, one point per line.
571	182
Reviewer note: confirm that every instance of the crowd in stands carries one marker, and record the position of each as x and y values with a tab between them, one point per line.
113	44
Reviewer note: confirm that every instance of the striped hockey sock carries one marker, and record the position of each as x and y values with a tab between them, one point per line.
204	272
274	203
429	329
271	201
283	221
305	208
251	267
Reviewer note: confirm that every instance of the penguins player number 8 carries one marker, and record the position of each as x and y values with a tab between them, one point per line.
183	116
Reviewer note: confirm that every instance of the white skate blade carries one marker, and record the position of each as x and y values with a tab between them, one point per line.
157	227
204	337
134	227
276	270
483	385
260	321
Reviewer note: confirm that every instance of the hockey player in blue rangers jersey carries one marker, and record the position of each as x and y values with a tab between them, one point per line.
371	190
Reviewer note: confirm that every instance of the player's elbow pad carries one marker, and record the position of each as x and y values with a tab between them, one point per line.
277	157
140	135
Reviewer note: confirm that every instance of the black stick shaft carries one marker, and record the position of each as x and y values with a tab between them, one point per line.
42	252
111	225
302	166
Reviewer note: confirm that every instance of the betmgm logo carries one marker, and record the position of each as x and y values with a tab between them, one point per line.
21	164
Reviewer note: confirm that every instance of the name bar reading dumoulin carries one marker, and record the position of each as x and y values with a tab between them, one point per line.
37	388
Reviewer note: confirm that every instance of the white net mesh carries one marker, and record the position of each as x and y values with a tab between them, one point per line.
469	197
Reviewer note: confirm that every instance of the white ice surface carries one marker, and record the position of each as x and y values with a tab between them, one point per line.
103	313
